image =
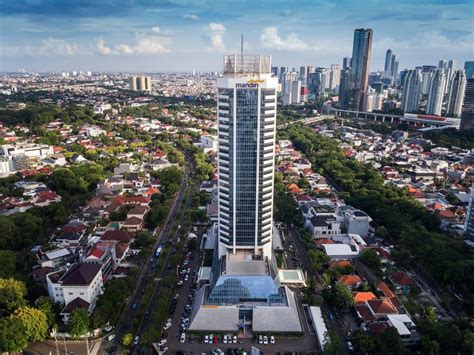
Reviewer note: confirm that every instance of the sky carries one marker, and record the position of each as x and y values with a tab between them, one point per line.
184	35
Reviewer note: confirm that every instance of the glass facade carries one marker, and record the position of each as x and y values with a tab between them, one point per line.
245	289
252	137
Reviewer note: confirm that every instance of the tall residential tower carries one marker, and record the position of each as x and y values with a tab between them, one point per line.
436	94
456	94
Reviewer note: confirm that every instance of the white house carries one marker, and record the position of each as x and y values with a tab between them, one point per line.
81	283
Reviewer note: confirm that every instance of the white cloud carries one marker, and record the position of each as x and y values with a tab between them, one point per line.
102	48
144	44
271	39
215	27
156	29
215	36
191	17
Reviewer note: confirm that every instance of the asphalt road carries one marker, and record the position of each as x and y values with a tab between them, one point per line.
332	320
125	323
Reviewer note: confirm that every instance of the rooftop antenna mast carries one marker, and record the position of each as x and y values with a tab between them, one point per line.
241	51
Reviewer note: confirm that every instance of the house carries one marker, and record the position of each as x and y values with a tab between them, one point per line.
362	297
117	235
405	327
350	281
356	221
56	259
401	280
81	280
138	212
381	307
133	224
321	225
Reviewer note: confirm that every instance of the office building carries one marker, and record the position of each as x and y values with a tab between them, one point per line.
139	83
346	63
246	162
456	94
391	66
412	91
296	92
361	52
334	77
443	64
469	69
243	290
469	227
436	94
467	113
344	88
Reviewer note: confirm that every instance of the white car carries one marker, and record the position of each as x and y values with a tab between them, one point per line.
162	342
235	339
167	326
183	338
260	339
136	340
206	339
272	340
225	339
110	337
265	340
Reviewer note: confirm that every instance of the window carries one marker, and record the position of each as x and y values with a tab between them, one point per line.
70	293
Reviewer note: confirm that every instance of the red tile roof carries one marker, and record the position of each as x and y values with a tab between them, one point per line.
402	278
382	306
118	235
387	292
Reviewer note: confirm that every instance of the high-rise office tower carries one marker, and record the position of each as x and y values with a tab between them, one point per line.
246	131
394	69
388	61
467	113
344	87
456	94
469	69
296	92
361	52
244	289
443	64
435	96
469	226
412	91
346	62
334	77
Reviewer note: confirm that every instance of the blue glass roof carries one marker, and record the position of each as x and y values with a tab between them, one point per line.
249	288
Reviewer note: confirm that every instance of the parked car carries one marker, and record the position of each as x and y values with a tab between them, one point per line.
110	337
136	340
162	342
265	340
167	326
225	339
182	339
235	339
272	340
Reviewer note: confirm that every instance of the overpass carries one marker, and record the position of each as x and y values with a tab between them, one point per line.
368	115
306	121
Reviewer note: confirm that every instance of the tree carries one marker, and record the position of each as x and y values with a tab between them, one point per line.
363	342
35	322
12	294
341	297
78	322
371	258
156	216
389	342
333	343
12	334
318	259
46	306
7	263
127	339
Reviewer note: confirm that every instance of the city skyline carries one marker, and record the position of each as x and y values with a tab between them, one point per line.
181	35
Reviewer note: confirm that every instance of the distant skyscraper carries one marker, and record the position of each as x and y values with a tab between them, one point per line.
346	62
469	227
361	52
394	69
427	76
443	64
139	83
246	116
467	114
334	77
469	69
435	97
456	94
388	61
412	91
344	88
